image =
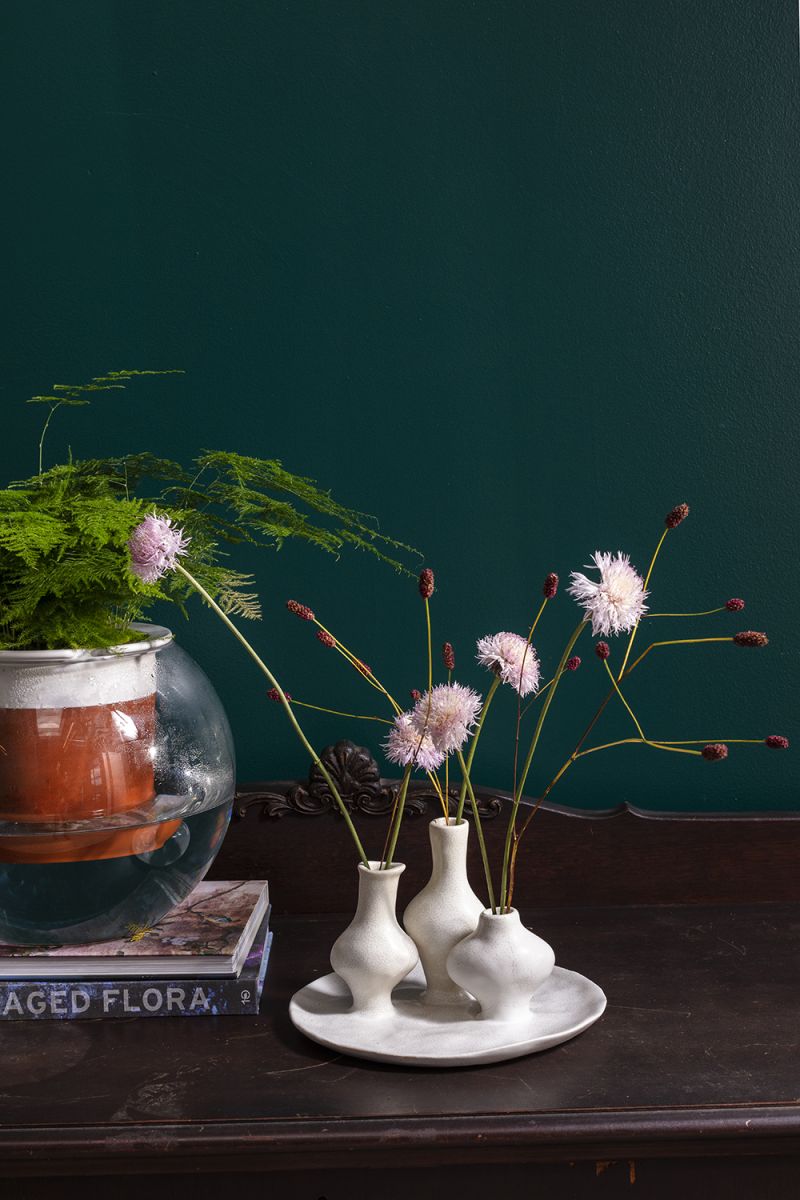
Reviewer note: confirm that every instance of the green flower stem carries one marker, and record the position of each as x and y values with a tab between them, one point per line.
528	641
336	713
398	817
286	706
640	742
672	642
473	744
478	829
707	613
628	708
512	823
629	647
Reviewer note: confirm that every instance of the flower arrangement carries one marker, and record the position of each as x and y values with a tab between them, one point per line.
444	723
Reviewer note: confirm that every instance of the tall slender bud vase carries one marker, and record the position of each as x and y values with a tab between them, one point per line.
502	964
444	912
374	954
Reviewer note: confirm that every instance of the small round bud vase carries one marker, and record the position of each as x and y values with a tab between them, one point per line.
444	912
502	964
374	954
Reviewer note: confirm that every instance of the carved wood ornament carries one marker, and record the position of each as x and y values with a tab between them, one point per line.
358	779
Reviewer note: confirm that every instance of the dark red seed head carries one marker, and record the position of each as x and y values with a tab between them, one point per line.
751	637
364	668
714	752
602	650
448	657
300	610
550	585
734	605
274	694
776	742
426	583
326	638
416	694
674	517
572	664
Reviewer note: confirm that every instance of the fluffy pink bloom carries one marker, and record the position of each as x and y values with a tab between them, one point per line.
615	601
405	746
154	546
447	714
505	654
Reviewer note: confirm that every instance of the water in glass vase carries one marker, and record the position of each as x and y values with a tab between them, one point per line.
103	897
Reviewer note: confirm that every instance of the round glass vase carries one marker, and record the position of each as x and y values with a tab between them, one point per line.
116	786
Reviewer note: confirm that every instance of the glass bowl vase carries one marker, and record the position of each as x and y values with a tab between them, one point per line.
116	787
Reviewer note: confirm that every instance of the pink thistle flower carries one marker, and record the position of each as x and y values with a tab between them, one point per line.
448	657
300	610
676	515
751	637
155	545
405	745
602	650
512	660
714	752
326	638
616	601
447	714
776	742
573	663
426	583
734	605
274	694
550	586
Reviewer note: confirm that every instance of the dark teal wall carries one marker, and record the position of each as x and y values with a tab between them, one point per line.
517	275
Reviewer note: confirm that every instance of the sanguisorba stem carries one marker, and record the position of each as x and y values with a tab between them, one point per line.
223	616
472	747
478	830
512	821
398	816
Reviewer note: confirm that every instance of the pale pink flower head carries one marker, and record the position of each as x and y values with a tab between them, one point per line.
512	660
155	545
404	745
616	601
447	714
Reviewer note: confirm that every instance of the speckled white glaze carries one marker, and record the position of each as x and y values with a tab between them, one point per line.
502	964
374	953
444	912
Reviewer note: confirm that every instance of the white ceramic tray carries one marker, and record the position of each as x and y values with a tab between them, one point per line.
421	1036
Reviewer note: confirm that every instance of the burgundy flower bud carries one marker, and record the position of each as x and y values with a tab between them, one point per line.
300	610
448	657
776	742
714	752
572	664
275	695
750	637
326	638
426	583
416	694
364	668
734	605
602	650
679	513
550	586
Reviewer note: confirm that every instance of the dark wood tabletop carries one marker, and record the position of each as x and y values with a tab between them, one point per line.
690	1079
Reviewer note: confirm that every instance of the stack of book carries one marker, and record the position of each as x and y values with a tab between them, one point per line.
208	957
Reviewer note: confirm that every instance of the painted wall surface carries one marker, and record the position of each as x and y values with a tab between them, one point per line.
518	276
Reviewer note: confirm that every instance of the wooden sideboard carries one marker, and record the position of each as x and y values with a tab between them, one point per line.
689	1085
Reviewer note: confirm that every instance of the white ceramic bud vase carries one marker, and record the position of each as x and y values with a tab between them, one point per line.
374	954
502	964
444	912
